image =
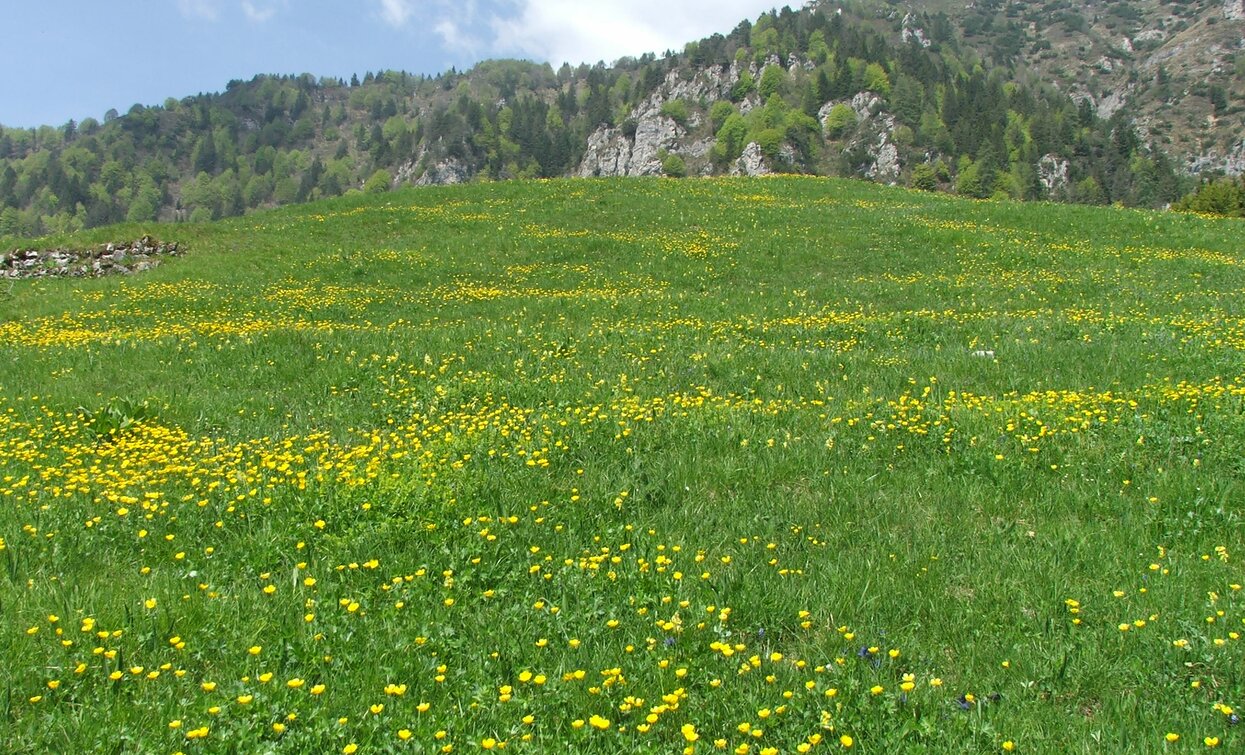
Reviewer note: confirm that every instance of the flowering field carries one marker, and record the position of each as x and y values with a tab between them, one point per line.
751	466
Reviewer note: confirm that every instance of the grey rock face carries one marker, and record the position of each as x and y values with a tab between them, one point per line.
444	173
751	162
912	32
610	152
885	166
1053	173
1231	162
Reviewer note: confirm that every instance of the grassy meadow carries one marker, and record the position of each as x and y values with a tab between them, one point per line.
733	465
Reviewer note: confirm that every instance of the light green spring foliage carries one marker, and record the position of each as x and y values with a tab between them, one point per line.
752	466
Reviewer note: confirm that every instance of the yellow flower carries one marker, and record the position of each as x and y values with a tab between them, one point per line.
689	733
599	723
404	734
1009	746
350	749
846	740
1172	737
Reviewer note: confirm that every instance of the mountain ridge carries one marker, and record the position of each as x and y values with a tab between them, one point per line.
930	94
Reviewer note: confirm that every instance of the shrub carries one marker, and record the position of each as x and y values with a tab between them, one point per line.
924	178
770	141
718	114
1223	197
676	110
840	118
743	87
673	166
379	183
772	79
970	182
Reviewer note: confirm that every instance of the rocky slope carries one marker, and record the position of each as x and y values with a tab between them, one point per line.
1175	69
1102	101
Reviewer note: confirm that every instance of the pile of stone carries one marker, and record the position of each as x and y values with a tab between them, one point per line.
105	259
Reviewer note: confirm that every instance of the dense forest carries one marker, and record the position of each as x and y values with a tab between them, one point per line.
958	122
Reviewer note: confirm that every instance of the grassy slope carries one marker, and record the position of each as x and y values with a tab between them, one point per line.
564	426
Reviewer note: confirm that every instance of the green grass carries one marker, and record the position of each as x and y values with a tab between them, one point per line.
712	454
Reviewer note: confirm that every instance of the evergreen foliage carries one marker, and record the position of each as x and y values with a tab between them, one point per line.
283	139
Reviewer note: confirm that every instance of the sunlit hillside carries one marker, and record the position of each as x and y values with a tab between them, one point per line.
743	465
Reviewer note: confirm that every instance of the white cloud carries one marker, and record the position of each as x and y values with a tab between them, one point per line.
454	37
258	12
457	26
574	31
396	12
205	10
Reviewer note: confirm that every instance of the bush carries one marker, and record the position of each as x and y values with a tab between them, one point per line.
924	178
718	114
770	141
673	166
743	87
840	118
379	183
1223	197
731	139
676	110
772	79
970	183
1089	191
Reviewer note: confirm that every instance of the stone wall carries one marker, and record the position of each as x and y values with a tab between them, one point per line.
105	259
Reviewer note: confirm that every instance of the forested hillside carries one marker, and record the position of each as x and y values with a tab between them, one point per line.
897	96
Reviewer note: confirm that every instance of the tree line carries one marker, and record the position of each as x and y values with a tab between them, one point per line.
962	124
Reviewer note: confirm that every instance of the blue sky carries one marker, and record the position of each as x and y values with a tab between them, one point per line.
68	59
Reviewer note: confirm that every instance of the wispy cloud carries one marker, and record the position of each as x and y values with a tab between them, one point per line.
205	10
571	31
396	12
454	37
458	26
576	32
258	12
